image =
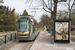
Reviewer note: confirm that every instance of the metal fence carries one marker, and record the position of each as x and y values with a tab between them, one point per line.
7	37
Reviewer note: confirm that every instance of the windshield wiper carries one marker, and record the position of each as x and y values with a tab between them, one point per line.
24	29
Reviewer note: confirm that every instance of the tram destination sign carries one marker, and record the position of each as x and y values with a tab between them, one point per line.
23	19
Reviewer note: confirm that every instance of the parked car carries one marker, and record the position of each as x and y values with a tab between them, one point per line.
72	27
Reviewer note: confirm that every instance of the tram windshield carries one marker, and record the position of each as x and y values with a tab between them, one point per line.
23	26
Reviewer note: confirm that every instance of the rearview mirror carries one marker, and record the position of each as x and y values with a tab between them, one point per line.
32	23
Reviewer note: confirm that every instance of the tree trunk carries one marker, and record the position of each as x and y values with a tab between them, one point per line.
69	13
52	15
55	8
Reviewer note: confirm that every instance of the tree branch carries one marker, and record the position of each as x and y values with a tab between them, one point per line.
31	3
72	4
27	1
46	10
46	5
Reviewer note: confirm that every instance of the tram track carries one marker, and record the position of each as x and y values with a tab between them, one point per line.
20	46
11	45
27	47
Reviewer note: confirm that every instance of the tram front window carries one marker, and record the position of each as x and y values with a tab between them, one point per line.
23	26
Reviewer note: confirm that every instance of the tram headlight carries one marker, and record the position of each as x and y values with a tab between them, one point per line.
23	33
26	33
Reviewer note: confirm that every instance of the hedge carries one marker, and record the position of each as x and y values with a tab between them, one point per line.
7	28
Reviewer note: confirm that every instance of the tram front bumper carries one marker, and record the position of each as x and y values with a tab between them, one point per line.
23	36
26	38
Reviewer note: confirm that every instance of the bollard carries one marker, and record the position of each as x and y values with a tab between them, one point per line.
5	39
11	37
15	35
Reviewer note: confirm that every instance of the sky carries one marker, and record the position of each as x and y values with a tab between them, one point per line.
20	6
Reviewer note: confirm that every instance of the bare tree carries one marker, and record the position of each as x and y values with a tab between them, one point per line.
70	8
73	17
62	15
47	5
44	19
50	6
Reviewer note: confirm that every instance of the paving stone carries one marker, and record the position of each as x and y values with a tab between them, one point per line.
45	42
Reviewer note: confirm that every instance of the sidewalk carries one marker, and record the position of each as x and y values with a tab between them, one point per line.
44	42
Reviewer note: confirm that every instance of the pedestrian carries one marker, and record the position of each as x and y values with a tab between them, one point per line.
44	31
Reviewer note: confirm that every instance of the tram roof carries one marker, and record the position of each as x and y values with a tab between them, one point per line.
24	16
